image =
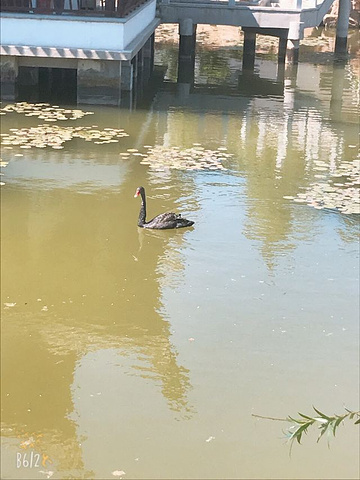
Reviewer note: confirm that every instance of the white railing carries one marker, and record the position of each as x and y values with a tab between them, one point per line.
282	4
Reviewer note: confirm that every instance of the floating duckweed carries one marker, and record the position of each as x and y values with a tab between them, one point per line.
195	158
343	196
54	136
44	111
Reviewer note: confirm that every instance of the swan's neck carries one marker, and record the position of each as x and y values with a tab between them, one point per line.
142	214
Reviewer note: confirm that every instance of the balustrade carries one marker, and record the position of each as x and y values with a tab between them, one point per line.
281	4
121	8
106	8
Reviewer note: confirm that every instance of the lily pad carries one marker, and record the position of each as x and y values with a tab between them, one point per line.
55	136
195	158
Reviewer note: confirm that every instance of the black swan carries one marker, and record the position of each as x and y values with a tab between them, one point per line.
162	221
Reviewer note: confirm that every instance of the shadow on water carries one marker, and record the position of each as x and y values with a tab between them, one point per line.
252	85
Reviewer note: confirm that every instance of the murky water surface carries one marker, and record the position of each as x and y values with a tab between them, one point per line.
146	352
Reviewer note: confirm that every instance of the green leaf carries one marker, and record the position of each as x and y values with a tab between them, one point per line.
305	416
337	423
321	414
323	429
298	433
326	424
321	420
291	419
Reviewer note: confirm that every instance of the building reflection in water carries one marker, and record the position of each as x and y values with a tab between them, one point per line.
87	298
275	127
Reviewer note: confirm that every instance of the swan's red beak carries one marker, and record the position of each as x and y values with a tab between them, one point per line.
137	193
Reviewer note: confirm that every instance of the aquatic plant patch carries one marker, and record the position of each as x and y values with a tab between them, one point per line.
44	111
195	158
337	191
55	136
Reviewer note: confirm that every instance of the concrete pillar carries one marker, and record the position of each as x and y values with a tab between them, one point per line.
8	77
295	34
128	81
127	76
187	31
342	26
282	50
139	77
187	44
148	53
98	82
135	65
152	51
249	47
140	61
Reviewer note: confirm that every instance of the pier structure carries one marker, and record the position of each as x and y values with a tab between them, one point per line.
284	19
108	45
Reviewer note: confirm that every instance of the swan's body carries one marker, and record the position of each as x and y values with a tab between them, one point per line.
162	221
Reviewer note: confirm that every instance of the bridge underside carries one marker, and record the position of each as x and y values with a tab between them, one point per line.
245	14
286	20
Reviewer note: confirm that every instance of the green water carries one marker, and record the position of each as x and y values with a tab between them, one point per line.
147	352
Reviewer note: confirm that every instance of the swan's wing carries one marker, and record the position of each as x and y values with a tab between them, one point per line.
164	220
